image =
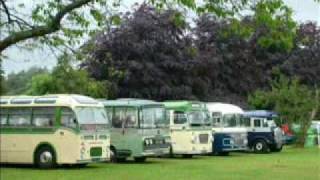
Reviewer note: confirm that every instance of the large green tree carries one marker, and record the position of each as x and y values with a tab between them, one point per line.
64	22
65	78
19	83
296	103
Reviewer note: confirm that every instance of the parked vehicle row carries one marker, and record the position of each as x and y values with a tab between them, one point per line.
51	130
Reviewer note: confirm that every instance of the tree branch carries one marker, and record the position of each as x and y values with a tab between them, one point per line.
53	26
6	10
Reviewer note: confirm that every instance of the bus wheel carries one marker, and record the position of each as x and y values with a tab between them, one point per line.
171	152
224	153
187	156
113	155
81	165
277	149
140	159
45	158
260	146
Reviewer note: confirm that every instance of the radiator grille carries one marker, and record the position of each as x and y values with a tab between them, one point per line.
203	138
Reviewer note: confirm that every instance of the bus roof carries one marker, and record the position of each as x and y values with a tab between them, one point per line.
260	113
224	108
184	105
50	99
131	102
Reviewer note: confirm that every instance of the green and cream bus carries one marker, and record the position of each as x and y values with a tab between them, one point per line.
51	130
190	128
139	129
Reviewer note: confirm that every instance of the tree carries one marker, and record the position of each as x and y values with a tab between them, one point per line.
157	55
63	22
296	103
66	79
3	88
148	56
19	83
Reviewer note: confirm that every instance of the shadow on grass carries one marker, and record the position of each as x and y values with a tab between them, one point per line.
32	167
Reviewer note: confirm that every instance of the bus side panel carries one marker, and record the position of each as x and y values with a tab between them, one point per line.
267	136
17	148
20	148
127	140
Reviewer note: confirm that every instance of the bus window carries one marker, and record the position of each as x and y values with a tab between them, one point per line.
68	118
229	120
43	116
19	116
265	123
3	116
109	112
125	117
245	122
179	117
216	119
256	123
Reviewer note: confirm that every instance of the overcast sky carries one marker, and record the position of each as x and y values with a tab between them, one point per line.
18	59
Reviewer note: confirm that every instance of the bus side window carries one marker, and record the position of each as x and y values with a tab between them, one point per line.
43	116
131	118
3	116
265	123
20	116
179	117
109	112
216	118
257	123
68	118
117	118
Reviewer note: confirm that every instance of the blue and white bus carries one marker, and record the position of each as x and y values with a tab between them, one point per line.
229	130
263	133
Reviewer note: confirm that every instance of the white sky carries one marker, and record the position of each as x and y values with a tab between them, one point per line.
19	59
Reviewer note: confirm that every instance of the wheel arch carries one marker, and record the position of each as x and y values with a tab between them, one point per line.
259	138
44	144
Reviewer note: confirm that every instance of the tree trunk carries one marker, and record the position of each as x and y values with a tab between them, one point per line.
303	134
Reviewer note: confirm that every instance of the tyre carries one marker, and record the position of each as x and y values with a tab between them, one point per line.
223	153
81	165
45	158
277	149
171	152
260	146
113	155
188	156
140	159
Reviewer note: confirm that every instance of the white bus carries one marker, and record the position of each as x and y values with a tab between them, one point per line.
229	128
53	129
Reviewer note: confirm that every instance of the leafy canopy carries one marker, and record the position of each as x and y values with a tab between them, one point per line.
64	23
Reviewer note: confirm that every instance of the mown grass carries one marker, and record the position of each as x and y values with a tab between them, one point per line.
290	164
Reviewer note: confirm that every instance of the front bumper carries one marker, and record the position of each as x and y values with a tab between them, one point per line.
92	160
156	152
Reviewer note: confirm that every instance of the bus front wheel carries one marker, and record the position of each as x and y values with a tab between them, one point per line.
45	158
187	156
113	155
140	159
260	146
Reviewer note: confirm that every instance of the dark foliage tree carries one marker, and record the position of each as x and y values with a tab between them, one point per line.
156	55
153	55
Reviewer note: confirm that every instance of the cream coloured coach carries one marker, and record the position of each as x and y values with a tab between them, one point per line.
53	129
190	128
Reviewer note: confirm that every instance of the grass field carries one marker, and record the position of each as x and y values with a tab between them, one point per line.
290	164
